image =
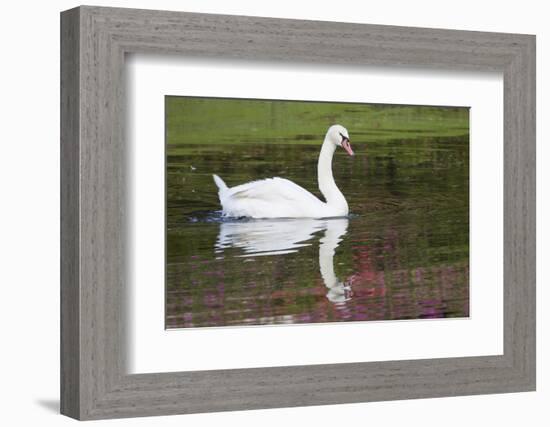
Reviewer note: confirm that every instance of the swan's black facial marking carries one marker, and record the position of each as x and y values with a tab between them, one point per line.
344	138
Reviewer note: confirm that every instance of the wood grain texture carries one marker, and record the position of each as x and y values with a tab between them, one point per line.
70	258
94	381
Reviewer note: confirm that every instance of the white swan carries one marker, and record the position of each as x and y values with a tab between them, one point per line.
281	198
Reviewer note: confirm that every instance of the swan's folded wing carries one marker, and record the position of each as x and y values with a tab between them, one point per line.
275	190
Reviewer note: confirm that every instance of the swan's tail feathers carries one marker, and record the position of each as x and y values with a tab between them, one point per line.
219	182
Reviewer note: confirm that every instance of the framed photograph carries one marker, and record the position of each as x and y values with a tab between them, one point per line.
262	213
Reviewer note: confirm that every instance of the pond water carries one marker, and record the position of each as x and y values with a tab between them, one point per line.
401	254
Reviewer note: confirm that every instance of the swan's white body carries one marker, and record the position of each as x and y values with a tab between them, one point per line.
281	198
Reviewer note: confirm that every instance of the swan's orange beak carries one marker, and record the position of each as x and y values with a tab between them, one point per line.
347	146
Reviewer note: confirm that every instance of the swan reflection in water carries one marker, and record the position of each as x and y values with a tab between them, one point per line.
286	236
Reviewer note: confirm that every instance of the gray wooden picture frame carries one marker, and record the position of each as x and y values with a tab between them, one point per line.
94	41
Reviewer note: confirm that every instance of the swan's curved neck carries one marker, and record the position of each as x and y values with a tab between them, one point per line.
332	194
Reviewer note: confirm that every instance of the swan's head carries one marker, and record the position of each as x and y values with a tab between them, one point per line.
339	136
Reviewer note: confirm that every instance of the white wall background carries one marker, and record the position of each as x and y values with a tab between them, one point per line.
29	214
